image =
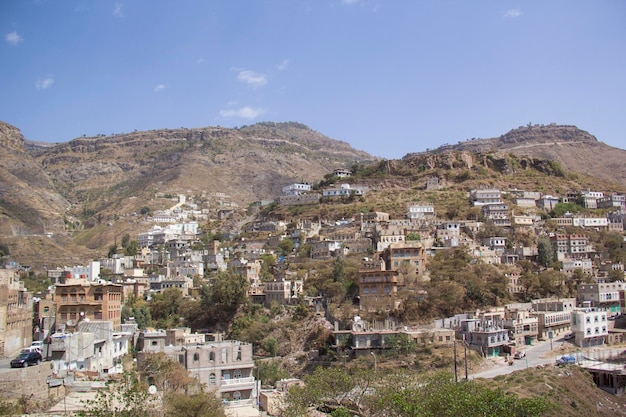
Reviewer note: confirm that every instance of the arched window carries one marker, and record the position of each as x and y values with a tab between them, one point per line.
212	379
238	353
236	396
237	374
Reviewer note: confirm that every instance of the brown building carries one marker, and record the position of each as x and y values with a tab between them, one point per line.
79	300
16	313
411	252
377	289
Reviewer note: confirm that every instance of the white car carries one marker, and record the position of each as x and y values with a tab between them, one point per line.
519	354
36	345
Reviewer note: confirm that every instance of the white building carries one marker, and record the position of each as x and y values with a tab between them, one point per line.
296	189
589	326
421	211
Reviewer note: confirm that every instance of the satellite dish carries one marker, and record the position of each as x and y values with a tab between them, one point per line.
152	389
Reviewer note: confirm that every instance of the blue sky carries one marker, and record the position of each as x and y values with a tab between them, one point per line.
389	77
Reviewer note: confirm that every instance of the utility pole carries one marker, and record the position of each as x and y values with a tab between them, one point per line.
456	376
375	365
465	352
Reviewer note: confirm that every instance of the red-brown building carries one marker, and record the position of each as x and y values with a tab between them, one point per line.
79	300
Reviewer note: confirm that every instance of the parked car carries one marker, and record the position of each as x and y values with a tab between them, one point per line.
565	360
519	354
37	345
26	358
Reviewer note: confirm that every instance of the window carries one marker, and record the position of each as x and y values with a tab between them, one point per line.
196	357
212	379
237	374
211	356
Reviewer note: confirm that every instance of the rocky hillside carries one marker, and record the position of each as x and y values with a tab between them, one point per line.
82	188
72	200
574	149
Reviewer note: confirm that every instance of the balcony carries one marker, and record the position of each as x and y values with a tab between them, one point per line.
237	383
238	403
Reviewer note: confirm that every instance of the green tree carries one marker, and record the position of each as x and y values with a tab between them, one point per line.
112	250
125	398
545	252
268	264
125	240
164	308
285	246
200	404
339	271
132	248
270	345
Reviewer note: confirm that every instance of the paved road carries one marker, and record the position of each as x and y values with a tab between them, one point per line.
533	358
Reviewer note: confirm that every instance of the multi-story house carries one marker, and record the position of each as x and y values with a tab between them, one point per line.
570	265
485	336
78	300
590	327
94	347
411	252
527	202
342	172
226	366
495	243
421	211
296	189
486	196
377	288
604	295
283	291
16	313
496	214
449	231
523	328
554	315
326	249
590	199
547	202
591	222
569	246
613	201
251	269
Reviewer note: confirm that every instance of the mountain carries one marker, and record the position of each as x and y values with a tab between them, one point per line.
84	187
574	149
67	202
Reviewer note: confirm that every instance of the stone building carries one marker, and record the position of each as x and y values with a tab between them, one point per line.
16	313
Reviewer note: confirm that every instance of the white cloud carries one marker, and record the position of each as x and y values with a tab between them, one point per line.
283	65
13	38
117	10
252	78
513	13
45	83
350	1
245	112
159	87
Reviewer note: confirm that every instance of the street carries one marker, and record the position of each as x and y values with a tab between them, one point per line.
534	357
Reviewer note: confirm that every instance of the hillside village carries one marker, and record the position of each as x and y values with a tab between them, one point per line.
552	266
